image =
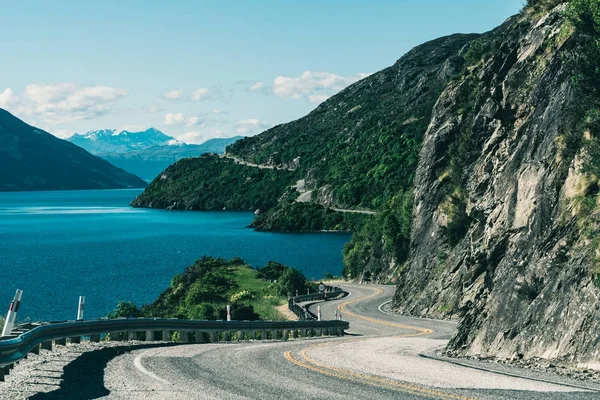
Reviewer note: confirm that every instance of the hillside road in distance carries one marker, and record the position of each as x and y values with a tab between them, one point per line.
380	360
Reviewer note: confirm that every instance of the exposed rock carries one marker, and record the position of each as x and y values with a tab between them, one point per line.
518	276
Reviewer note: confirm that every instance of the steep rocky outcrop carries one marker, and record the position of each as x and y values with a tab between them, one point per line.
481	157
500	247
31	159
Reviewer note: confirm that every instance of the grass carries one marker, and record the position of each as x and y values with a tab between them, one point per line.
265	299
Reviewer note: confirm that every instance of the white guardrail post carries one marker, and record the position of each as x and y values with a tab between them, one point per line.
228	312
80	308
318	313
11	316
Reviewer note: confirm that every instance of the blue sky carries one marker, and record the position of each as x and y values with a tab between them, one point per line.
203	69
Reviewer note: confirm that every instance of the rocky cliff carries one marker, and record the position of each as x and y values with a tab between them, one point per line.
503	234
480	155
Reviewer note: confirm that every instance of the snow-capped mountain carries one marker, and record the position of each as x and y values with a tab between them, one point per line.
145	153
109	141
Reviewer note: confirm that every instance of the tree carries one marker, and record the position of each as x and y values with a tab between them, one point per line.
125	309
292	280
272	271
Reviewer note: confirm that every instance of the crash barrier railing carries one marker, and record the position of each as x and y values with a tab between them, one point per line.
303	312
45	335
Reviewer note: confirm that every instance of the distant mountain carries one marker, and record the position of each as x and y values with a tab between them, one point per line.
32	159
145	153
110	141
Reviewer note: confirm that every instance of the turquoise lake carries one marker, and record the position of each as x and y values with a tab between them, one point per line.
56	246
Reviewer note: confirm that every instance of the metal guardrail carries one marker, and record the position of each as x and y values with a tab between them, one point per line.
30	337
304	313
13	349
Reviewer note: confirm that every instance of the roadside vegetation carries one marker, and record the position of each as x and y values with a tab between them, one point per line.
205	288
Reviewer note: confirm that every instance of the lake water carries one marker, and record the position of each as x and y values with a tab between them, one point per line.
57	246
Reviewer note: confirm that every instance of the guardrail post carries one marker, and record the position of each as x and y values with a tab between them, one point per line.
80	308
60	342
149	336
199	337
131	335
11	316
303	332
286	334
75	339
274	334
214	338
184	336
294	333
36	349
228	312
252	335
227	336
46	345
263	335
340	332
240	336
166	336
94	338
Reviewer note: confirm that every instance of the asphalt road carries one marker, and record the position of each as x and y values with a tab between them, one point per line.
380	360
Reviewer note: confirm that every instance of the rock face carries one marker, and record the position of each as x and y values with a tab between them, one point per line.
517	273
470	150
31	159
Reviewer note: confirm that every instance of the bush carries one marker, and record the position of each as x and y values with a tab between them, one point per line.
292	280
125	309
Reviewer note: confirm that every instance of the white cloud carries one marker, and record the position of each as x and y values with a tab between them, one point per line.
193	121
173	94
174	119
200	94
314	86
217	111
7	97
191	137
256	86
181	119
250	125
153	109
68	102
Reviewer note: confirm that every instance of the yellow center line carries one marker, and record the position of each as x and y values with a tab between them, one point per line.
342	308
321	368
368	379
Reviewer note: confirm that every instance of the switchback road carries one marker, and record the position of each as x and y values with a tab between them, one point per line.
381	360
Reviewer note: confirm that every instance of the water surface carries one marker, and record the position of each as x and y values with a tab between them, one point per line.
57	246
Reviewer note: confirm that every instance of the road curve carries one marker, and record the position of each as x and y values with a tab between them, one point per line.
381	360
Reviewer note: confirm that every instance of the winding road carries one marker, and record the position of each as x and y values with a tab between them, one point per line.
381	359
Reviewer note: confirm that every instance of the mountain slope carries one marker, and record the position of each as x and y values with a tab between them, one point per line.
481	156
145	153
31	159
506	193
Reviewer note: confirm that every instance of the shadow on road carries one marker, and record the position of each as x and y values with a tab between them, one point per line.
83	378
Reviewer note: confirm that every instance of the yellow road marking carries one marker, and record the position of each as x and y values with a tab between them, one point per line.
369	379
342	308
364	378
